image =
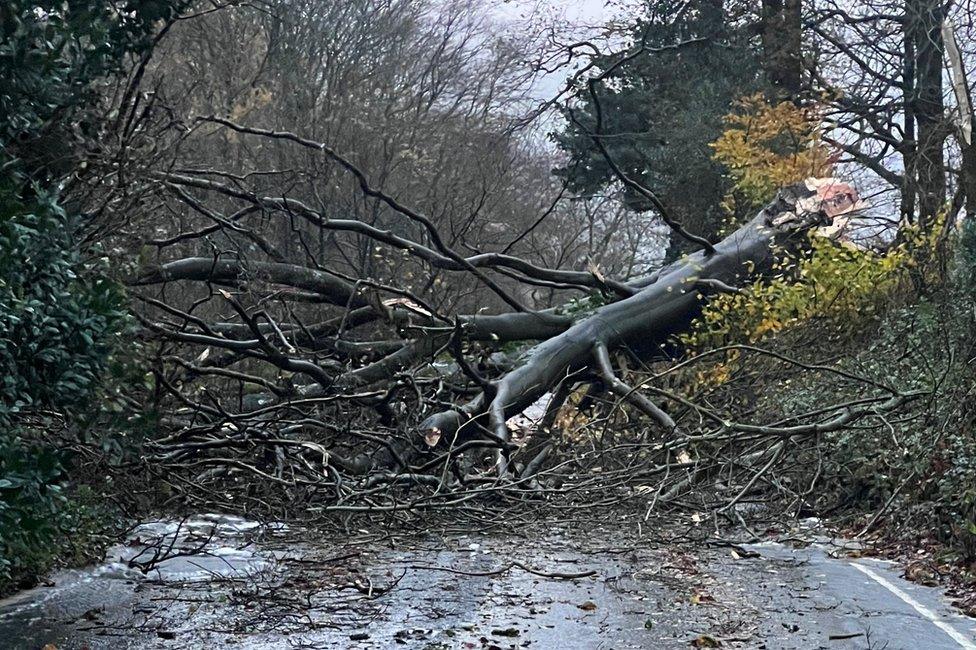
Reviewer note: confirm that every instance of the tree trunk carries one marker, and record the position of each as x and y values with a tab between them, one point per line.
781	42
647	321
924	28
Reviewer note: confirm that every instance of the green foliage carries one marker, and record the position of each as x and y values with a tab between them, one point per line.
668	107
923	460
55	316
583	306
30	501
51	51
59	315
57	525
57	320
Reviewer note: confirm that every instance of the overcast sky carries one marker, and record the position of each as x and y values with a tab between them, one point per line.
578	16
576	11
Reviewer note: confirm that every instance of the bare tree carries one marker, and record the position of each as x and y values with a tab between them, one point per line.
882	62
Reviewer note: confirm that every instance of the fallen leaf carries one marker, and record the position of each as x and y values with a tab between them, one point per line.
508	631
705	641
700	597
923	572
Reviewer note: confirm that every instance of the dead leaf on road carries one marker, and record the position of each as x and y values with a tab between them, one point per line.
705	641
509	631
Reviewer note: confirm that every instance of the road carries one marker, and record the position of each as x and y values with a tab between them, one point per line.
261	589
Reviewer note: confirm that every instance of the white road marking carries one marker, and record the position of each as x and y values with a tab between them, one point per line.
953	633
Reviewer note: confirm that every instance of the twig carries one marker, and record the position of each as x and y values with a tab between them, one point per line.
507	567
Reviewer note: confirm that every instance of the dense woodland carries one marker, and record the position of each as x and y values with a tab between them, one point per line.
331	260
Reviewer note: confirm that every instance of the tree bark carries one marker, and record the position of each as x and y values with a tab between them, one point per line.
782	43
924	28
647	322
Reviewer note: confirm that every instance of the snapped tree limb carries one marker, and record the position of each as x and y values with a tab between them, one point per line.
647	321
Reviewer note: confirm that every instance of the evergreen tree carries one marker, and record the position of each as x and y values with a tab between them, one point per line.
663	109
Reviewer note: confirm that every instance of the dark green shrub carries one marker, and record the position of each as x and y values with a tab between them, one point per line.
918	464
59	315
57	319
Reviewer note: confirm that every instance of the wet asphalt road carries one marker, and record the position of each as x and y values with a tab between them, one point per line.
263	589
831	602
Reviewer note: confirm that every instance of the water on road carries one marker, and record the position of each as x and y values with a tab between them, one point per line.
219	581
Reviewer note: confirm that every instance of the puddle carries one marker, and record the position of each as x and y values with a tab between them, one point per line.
202	548
156	554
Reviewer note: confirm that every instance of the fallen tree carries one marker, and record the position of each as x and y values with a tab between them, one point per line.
341	321
393	389
662	306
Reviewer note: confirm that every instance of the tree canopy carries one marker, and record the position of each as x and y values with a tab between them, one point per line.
659	108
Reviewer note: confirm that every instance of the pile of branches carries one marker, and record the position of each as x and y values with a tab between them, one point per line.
288	376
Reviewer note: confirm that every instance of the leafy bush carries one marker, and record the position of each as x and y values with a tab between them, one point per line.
57	319
840	284
51	51
904	318
917	465
54	315
58	313
768	146
922	461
